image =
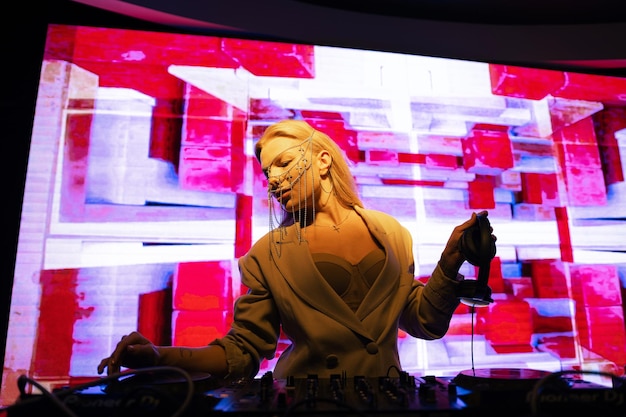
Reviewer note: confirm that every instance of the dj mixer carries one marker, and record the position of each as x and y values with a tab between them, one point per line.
484	392
358	395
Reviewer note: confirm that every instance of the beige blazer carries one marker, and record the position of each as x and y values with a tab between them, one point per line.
327	337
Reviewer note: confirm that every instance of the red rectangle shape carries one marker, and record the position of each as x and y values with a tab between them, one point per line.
202	286
548	277
539	188
154	318
580	132
481	194
149	48
430	160
585	186
378	157
275	59
605	327
596	285
590	87
205	168
519	287
199	328
565	238
507	322
487	151
534	84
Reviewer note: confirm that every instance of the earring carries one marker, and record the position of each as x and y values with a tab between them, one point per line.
332	183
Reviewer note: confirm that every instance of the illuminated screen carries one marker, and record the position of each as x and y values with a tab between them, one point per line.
142	191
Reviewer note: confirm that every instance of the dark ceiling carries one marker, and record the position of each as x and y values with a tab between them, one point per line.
486	11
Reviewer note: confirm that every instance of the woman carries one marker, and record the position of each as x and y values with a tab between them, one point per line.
336	278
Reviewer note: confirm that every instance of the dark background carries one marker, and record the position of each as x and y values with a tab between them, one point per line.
522	33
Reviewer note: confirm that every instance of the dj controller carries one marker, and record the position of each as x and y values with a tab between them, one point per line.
485	392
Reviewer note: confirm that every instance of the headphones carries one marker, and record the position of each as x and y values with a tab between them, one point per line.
479	249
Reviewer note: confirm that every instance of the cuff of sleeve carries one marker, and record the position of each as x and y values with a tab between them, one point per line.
442	291
448	274
240	363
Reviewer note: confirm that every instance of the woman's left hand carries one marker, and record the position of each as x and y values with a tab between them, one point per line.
452	258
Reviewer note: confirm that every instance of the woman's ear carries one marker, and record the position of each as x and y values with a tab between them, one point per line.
325	161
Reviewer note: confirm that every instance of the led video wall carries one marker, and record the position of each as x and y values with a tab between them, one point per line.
142	192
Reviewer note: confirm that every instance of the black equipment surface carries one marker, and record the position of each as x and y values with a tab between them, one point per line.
484	392
529	392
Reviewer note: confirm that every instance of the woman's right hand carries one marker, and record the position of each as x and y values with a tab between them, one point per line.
132	351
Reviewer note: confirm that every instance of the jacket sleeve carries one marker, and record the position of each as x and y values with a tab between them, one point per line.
256	326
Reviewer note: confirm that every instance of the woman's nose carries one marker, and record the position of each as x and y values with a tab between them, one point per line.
273	182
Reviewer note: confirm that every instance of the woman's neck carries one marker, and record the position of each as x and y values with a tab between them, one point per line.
332	216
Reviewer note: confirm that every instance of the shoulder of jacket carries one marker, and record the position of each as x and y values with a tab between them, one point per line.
263	245
259	246
381	216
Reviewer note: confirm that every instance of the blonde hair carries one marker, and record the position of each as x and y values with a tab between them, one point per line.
343	181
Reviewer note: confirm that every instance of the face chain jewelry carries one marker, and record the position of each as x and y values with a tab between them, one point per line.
293	173
299	166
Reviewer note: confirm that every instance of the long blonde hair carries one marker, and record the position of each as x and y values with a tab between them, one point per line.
343	181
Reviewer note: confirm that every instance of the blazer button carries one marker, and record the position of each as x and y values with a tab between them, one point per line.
372	348
332	361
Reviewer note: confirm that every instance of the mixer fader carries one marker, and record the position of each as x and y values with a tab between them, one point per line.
358	395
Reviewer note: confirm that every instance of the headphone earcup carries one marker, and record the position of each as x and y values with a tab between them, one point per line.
476	243
468	246
487	245
478	248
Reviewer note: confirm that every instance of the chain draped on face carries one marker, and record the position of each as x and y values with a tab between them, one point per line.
294	166
285	174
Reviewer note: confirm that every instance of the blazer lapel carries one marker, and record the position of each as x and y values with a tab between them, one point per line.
387	279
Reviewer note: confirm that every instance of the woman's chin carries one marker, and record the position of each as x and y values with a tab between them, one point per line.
286	205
